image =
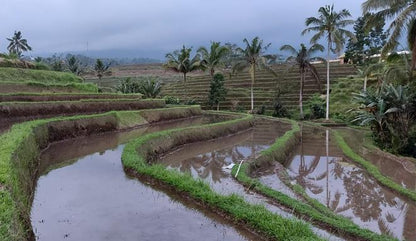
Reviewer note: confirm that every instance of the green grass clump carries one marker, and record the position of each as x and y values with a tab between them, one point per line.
373	170
342	100
44	76
143	150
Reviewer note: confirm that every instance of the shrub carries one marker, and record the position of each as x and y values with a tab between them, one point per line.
316	107
217	90
172	100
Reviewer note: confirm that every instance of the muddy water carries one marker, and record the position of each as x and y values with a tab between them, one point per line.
211	162
400	169
91	198
321	168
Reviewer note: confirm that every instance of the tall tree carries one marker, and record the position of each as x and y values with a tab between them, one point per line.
18	44
214	58
101	68
329	25
402	12
252	57
217	90
74	65
302	58
180	61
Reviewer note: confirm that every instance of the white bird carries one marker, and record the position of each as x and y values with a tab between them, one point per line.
229	166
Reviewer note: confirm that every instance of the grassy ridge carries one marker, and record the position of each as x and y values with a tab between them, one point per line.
314	210
44	76
138	153
81	87
19	150
373	170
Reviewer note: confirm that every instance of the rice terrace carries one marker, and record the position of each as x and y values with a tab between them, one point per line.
193	120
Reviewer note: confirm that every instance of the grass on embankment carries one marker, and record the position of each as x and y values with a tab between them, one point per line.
314	210
26	109
373	170
139	153
20	148
43	76
34	86
19	97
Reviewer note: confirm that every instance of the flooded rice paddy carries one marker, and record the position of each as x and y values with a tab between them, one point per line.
320	167
84	194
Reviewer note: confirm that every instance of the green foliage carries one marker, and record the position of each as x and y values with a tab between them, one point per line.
41	66
25	75
316	106
180	61
74	65
370	39
148	86
214	58
390	113
172	100
101	69
217	90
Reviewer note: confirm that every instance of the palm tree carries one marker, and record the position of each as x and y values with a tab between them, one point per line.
330	25
403	13
252	58
180	61
101	68
302	58
214	58
18	44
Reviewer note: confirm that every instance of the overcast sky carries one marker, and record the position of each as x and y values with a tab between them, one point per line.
138	28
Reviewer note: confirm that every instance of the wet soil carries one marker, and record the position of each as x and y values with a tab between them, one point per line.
328	176
92	199
64	97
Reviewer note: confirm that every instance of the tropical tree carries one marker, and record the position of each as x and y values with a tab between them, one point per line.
214	58
403	13
18	44
330	26
101	68
302	58
150	87
252	57
180	61
217	90
74	65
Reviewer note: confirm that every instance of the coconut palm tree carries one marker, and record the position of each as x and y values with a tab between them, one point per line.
252	57
18	44
403	13
302	58
101	68
214	58
329	25
180	61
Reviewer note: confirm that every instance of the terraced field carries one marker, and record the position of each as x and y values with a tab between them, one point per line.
266	87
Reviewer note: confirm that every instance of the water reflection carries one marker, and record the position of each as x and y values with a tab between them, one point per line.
320	167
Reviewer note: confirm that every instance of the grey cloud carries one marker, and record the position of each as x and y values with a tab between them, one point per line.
157	26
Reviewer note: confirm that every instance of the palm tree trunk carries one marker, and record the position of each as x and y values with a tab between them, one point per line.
218	106
327	82
302	73
365	83
413	57
253	74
